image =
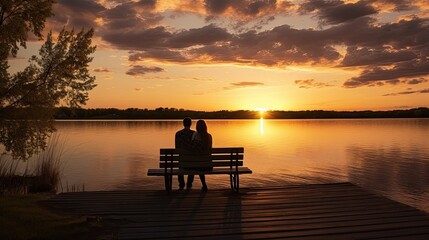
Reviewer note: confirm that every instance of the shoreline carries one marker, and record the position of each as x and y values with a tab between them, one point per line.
222	119
64	113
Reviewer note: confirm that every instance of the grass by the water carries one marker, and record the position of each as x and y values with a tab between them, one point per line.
24	217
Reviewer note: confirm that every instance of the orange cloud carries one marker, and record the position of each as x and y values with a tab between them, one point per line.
408	92
243	84
101	70
311	83
141	70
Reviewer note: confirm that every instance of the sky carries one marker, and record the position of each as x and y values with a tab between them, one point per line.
252	54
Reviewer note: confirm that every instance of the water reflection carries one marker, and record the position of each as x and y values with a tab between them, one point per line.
261	126
400	173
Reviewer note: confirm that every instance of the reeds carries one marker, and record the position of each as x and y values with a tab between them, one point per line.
7	165
40	173
7	169
48	165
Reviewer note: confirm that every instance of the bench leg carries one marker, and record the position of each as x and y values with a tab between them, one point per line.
168	180
235	182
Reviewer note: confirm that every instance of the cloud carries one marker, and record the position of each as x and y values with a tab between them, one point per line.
408	92
198	36
247	84
246	8
280	46
243	85
137	38
217	6
141	70
385	52
75	14
415	81
396	5
311	83
335	12
160	39
101	70
361	56
391	52
104	16
130	15
394	52
379	76
159	54
339	11
401	107
150	4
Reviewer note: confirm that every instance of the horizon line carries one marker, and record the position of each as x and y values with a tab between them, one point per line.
251	110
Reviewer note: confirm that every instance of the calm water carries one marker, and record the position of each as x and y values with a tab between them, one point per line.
387	156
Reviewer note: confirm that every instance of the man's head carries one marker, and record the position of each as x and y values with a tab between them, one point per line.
187	122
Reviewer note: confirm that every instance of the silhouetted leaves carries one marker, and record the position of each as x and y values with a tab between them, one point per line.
59	74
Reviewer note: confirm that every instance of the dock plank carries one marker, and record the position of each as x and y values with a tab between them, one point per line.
315	211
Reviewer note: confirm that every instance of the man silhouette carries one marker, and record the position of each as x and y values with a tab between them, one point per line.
183	141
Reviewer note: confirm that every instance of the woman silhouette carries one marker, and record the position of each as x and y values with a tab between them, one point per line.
203	142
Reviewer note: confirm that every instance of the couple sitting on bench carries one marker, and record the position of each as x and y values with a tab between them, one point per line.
191	142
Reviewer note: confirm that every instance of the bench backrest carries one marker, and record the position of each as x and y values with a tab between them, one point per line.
220	157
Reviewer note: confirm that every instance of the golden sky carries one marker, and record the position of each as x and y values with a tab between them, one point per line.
249	54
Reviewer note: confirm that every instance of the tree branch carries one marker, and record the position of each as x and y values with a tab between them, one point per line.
44	81
13	11
2	16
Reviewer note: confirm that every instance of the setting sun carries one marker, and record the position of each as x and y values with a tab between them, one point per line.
261	111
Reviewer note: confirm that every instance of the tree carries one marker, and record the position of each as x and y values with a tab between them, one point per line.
59	74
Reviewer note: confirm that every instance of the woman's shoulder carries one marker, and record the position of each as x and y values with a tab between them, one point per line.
195	136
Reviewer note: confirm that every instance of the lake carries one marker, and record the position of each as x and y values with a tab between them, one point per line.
389	157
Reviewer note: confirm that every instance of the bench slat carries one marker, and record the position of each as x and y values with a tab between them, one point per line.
214	150
213	157
220	170
213	164
228	150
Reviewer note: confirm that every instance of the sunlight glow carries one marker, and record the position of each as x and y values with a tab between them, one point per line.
261	111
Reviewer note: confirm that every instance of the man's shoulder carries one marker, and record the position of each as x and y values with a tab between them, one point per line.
184	132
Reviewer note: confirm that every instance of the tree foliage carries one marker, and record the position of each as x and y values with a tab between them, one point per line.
58	74
17	19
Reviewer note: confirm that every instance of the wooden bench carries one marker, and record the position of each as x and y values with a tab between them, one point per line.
222	161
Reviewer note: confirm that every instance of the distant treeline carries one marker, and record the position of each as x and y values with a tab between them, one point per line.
174	113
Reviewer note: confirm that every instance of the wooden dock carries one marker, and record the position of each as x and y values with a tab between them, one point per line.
320	211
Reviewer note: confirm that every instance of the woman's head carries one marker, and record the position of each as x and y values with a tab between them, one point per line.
201	126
